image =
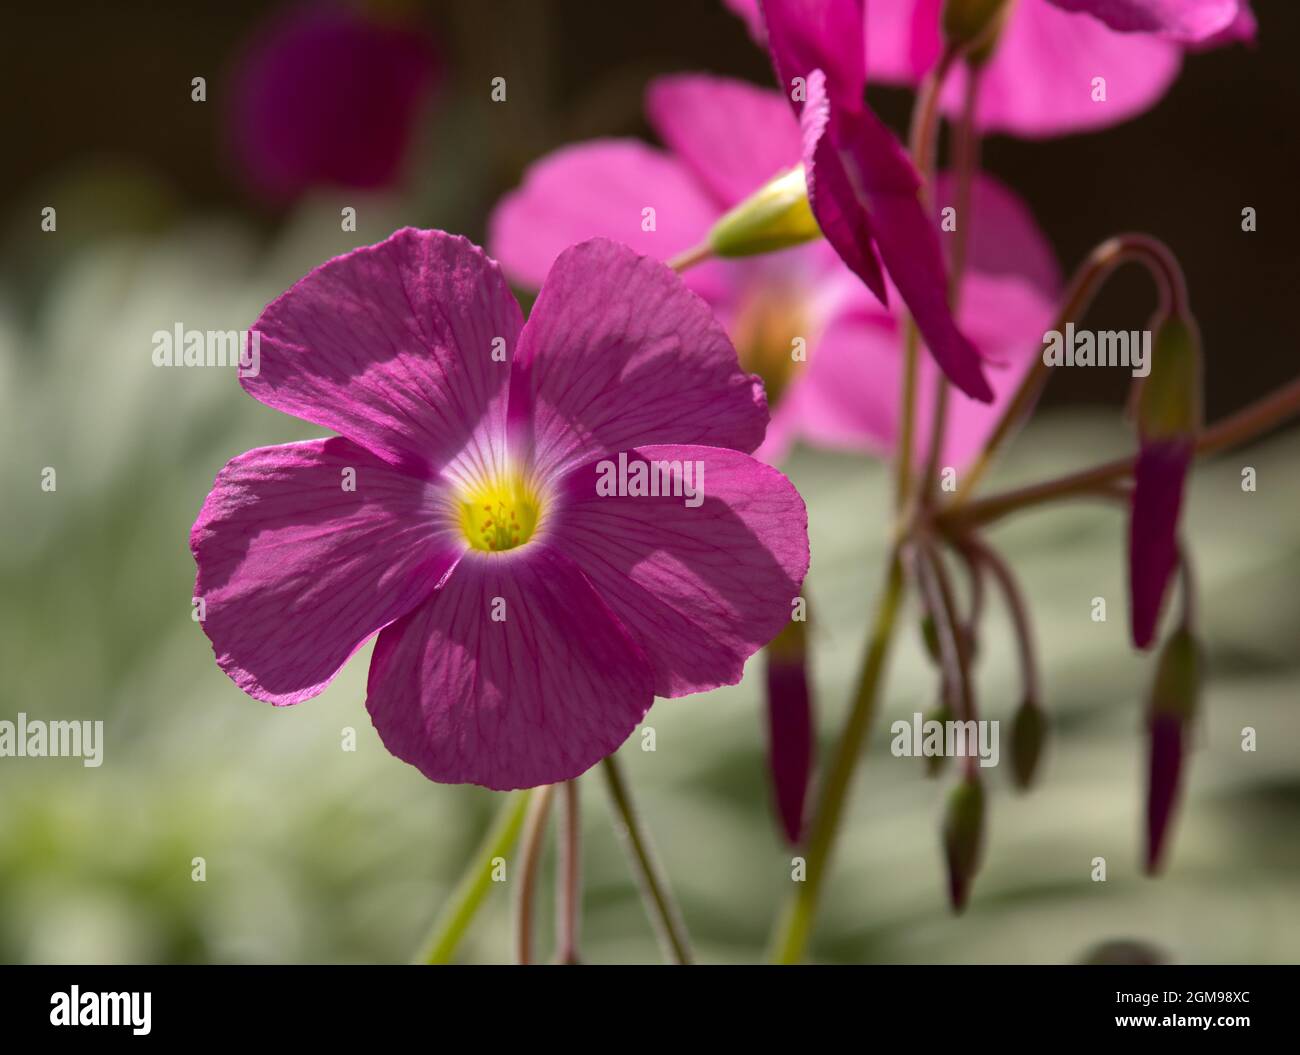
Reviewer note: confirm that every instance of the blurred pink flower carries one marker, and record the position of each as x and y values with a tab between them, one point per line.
1187	21
526	617
328	96
1159	478
726	138
862	186
1039	81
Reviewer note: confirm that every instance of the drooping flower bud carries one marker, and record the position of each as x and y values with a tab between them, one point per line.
963	838
1028	735
976	25
776	216
1168	418
790	724
1171	711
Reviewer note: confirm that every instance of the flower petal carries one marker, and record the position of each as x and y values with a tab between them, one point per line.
618	352
1158	480
1004	238
1241	30
700	588
829	35
849	396
1040	81
296	571
874	195
903	40
599	190
748	12
513	674
1187	21
403	347
840	214
734	136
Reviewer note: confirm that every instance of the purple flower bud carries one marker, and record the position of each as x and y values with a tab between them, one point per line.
790	721
1172	709
1169	415
1028	735
1158	480
963	839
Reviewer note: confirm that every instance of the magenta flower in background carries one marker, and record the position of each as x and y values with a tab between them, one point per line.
1188	21
1039	80
526	619
726	138
861	184
328	96
1169	416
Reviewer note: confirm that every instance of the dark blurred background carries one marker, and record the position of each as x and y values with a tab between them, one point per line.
110	82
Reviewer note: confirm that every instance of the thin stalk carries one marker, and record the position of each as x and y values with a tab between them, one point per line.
1019	608
967	166
907	420
534	835
954	646
569	888
688	258
663	911
1100	264
922	142
454	920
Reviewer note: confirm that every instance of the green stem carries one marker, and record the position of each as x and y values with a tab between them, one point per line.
1246	424
688	258
658	899
794	927
983	554
569	888
534	832
458	913
907	420
967	165
922	139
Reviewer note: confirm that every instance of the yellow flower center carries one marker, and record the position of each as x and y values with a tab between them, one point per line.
501	513
765	331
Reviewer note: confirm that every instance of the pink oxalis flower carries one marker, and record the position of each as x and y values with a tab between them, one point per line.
1038	82
1189	21
328	96
725	139
526	617
862	186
